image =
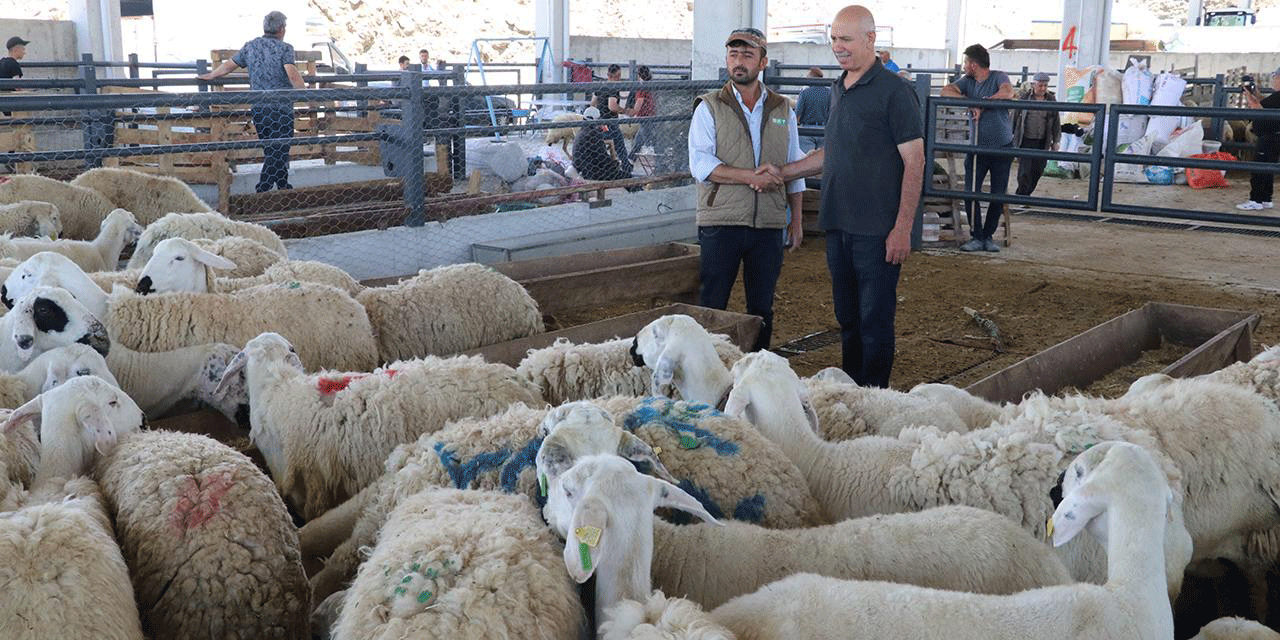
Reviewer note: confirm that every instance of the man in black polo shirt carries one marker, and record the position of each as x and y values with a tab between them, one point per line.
9	67
871	182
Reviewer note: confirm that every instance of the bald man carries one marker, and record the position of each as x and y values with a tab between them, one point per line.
871	184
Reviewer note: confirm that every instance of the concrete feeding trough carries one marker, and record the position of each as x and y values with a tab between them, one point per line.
1218	337
741	328
668	271
675	226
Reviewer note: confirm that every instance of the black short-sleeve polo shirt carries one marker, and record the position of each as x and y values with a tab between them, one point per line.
862	169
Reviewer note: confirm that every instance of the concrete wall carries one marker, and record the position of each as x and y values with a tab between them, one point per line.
51	41
620	50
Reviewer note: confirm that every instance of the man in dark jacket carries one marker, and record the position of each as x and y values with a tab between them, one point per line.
1035	129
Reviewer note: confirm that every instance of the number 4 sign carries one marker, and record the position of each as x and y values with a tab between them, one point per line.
1069	44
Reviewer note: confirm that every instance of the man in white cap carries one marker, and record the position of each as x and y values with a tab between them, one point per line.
742	212
591	156
1035	129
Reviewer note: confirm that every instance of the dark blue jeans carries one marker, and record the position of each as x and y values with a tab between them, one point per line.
274	123
975	172
864	289
759	251
620	147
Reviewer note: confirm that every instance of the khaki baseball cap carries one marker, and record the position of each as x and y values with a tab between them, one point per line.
749	36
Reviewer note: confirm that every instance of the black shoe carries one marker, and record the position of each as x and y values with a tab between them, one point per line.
284	185
262	188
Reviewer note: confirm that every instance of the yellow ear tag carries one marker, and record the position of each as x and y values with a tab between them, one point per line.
589	536
1048	528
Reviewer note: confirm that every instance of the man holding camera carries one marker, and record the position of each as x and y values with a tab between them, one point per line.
1268	133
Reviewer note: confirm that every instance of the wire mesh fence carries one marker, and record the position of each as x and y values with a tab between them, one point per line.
381	174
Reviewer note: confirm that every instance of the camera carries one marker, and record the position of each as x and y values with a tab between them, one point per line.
1246	84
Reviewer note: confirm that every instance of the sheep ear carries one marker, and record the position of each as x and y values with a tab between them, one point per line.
211	259
96	425
664	373
57	371
674	497
586	540
29	412
1075	512
637	450
809	412
737	403
230	375
553	459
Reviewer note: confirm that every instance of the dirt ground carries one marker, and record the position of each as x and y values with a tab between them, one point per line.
1058	278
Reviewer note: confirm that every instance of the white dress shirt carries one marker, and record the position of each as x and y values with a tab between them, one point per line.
702	139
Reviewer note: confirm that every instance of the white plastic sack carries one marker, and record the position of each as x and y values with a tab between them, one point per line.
1131	128
1137	83
1134	172
1167	92
1109	86
1069	144
1184	143
505	159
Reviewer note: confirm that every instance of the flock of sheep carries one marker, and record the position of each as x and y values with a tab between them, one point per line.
695	491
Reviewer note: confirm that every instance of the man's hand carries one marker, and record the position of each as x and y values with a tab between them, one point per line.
898	245
766	177
206	76
796	231
976	112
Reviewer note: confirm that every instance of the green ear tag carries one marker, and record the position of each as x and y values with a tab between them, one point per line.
542	483
585	553
688	442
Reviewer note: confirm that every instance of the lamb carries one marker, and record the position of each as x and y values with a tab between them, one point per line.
101	254
211	549
563	135
212	225
325	436
448	310
51	369
567	372
43	319
161	381
178	264
52	269
31	218
64	574
148	196
679	350
849	411
1119	493
732	469
1009	469
81	209
327	327
975	412
1236	629
463	564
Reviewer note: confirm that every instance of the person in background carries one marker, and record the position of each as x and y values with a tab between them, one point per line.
871	185
609	103
1261	185
9	66
812	107
1035	129
888	62
404	63
739	135
424	59
591	155
271	64
642	103
994	130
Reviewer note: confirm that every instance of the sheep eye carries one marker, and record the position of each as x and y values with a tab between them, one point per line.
83	372
113	403
1079	473
179	258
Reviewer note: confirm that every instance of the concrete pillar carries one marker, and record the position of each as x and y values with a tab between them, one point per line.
712	22
551	20
1086	35
1195	9
98	31
957	14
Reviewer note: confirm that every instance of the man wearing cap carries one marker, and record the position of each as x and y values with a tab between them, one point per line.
1035	129
271	64
742	213
872	165
591	155
9	67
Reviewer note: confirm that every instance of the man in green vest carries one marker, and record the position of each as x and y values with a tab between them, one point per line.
742	213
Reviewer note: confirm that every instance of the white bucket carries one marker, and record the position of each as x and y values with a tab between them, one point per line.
1210	146
932	228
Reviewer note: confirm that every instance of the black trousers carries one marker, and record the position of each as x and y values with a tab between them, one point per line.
976	168
864	290
1030	169
1261	185
759	251
274	123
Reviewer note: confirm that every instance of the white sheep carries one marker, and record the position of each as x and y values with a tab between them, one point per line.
448	310
52	269
31	218
178	264
567	372
19	457
211	225
43	319
148	196
848	411
463	564
100	254
1236	629
975	412
81	209
250	257
327	327
211	549
163	380
50	369
1009	469
64	576
1118	492
681	355
325	436
1261	373
658	617
563	135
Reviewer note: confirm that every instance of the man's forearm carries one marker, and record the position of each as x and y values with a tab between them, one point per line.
912	182
810	165
725	174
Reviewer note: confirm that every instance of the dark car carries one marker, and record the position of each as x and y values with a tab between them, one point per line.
475	110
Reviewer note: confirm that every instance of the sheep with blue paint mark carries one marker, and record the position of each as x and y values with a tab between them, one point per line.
324	436
731	469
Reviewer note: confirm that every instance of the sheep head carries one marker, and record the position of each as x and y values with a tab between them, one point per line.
177	264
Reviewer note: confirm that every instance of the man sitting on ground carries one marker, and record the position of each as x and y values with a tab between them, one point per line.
591	155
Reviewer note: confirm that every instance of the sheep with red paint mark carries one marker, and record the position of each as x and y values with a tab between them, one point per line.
325	436
211	549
